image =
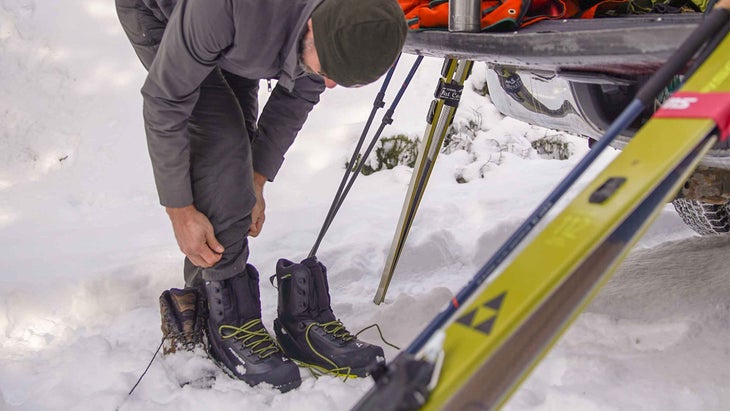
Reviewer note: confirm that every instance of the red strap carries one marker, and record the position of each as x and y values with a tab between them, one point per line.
690	104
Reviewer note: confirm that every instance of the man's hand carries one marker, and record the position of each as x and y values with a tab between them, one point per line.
195	236
258	214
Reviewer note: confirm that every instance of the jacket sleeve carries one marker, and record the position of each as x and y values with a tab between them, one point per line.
280	121
196	34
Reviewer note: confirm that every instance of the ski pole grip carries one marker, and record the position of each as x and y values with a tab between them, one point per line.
713	23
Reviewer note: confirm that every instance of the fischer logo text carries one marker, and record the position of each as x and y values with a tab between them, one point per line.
679	103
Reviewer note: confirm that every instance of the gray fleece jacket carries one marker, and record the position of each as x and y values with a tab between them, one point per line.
256	39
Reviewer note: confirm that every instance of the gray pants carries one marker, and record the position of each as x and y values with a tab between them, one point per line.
221	127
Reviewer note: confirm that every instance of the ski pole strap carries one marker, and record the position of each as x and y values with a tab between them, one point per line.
688	104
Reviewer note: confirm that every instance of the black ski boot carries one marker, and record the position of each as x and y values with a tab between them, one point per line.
237	338
308	331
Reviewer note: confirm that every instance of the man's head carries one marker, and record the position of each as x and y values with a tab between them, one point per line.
356	41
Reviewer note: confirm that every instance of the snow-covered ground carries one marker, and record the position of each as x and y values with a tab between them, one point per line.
86	249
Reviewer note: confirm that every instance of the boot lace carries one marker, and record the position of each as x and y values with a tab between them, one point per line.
337	329
252	335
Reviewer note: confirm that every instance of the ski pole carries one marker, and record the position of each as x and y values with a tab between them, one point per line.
378	103
387	119
352	171
714	22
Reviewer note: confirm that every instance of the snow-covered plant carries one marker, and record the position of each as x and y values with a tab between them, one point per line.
553	146
460	135
390	152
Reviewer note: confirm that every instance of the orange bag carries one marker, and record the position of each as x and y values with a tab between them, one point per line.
496	14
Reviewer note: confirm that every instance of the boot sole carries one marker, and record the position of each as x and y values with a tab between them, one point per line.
288	346
318	369
210	351
282	388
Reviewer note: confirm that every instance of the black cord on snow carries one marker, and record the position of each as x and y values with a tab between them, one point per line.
352	171
146	369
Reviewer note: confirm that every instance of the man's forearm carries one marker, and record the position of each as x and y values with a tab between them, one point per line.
259	180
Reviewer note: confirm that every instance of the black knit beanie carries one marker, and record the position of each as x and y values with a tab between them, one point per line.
358	40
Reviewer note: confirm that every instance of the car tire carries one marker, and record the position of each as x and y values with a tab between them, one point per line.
704	218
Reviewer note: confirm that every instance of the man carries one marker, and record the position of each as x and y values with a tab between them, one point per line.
211	156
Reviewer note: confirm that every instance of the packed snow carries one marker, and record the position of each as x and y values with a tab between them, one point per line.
86	248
